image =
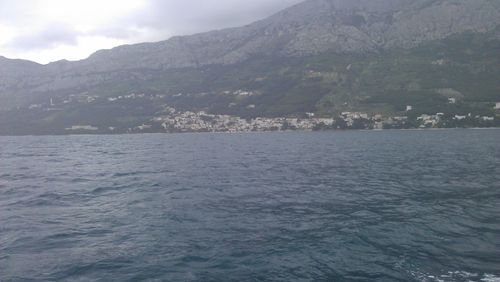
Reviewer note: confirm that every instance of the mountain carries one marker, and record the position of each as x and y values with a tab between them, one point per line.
321	56
313	27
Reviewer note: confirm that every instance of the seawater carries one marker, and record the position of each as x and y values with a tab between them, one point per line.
333	206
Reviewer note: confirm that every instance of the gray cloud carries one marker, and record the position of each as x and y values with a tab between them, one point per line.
50	36
157	20
165	18
115	31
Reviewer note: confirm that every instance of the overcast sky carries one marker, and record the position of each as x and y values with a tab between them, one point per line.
51	30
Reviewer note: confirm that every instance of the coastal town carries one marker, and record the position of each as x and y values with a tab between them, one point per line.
201	121
171	120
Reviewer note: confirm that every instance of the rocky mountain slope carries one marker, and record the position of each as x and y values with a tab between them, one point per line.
313	27
282	58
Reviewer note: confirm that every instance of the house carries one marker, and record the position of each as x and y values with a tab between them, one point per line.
34	106
452	100
424	117
378	125
83	127
143	127
497	106
409	108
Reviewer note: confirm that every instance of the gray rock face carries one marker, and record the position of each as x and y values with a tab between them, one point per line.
311	27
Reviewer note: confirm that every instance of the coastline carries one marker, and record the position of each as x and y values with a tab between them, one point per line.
255	132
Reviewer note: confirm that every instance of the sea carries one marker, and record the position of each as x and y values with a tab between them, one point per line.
291	206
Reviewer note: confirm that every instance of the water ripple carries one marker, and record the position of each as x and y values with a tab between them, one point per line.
340	206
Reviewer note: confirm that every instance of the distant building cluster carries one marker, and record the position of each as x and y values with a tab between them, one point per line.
175	121
172	120
241	93
134	96
82	127
83	98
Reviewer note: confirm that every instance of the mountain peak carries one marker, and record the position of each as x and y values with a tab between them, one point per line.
309	28
312	27
10	65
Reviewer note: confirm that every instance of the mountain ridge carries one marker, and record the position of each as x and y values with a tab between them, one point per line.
341	28
313	27
482	15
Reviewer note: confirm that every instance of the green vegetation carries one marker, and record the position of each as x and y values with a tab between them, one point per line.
464	67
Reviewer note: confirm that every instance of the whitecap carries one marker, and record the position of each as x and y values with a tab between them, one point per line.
490	278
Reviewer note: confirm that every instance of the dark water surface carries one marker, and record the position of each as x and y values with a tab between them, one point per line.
337	206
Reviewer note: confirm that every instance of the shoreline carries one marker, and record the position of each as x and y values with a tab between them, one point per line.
260	132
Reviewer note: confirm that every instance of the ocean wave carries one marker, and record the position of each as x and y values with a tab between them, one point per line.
454	276
343	206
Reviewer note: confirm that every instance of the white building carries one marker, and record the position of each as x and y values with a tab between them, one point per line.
497	106
452	100
409	108
83	127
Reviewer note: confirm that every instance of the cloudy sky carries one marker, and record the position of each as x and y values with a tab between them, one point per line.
51	30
